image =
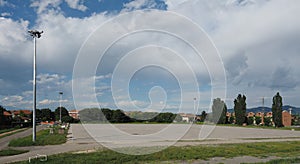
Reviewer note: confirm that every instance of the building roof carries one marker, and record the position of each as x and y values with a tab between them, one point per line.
5	113
73	111
17	112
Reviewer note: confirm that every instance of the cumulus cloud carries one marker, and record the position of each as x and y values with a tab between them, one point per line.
45	5
257	40
139	4
76	4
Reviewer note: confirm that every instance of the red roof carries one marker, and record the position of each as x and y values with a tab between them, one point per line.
17	112
5	113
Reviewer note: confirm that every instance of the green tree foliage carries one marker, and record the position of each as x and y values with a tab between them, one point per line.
267	121
107	113
231	120
67	119
47	115
92	115
2	109
250	120
164	118
258	120
64	112
119	117
142	116
240	109
277	110
203	116
219	110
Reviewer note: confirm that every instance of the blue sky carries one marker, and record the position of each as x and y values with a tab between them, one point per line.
257	41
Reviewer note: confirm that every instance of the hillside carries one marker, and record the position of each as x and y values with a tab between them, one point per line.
295	110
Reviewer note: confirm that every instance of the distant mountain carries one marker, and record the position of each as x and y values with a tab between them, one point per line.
295	110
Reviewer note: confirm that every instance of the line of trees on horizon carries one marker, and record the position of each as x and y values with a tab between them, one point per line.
42	115
95	115
219	110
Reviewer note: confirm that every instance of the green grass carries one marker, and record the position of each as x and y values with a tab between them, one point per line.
11	132
261	127
7	130
187	153
284	161
10	152
43	137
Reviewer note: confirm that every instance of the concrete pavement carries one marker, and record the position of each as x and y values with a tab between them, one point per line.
82	140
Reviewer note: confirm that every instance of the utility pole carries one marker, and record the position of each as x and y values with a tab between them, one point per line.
35	34
60	93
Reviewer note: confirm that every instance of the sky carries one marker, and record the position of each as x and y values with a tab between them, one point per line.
149	55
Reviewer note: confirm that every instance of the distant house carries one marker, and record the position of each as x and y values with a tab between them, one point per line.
47	123
251	114
74	113
187	117
269	114
7	114
259	114
286	118
20	112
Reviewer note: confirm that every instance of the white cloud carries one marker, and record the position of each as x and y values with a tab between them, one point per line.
258	42
48	102
139	4
5	3
76	4
45	5
5	14
16	101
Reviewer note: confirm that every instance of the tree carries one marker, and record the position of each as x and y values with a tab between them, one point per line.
219	110
119	117
47	115
231	120
67	119
2	109
258	120
64	112
203	116
267	121
277	110
250	120
91	115
164	118
107	113
240	109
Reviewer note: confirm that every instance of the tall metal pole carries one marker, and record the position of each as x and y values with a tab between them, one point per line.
34	92
263	111
195	108
35	34
60	93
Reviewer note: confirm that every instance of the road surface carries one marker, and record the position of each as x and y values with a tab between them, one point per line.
4	141
82	140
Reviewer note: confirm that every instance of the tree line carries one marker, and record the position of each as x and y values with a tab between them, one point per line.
42	115
219	110
90	115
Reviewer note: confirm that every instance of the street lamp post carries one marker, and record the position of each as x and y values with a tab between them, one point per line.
35	34
60	93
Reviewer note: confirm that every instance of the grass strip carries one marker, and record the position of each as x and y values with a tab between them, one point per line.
284	161
203	152
9	133
10	152
43	137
